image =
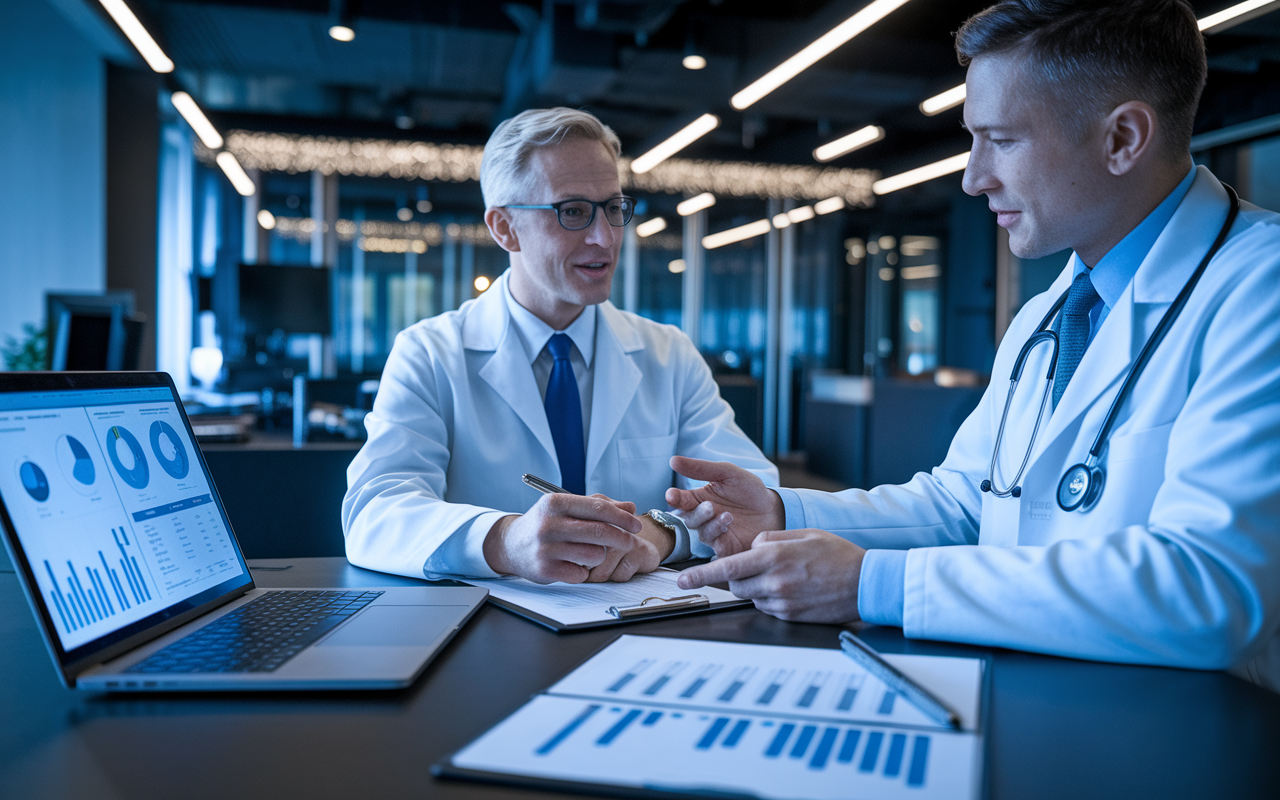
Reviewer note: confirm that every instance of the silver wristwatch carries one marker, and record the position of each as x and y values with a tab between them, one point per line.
678	529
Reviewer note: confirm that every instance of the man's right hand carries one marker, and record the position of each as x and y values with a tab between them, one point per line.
752	507
562	538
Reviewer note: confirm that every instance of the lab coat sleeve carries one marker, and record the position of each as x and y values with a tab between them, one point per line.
707	429
1197	585
394	514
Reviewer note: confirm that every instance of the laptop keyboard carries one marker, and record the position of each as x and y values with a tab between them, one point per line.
260	635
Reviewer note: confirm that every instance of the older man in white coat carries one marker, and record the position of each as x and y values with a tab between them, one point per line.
540	374
1081	116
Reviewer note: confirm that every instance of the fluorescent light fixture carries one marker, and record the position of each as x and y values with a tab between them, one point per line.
650	227
344	34
828	206
738	234
1241	12
780	221
683	138
266	219
147	47
694	62
236	174
807	57
941	102
921	174
197	120
920	273
847	144
677	266
801	214
696	203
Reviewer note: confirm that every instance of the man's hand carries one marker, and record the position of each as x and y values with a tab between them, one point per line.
651	546
752	507
800	576
564	537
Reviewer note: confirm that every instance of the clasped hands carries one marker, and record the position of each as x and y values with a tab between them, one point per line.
574	539
801	575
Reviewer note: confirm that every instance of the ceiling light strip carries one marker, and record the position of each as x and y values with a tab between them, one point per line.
696	203
197	120
921	174
650	227
1237	14
941	102
146	46
741	233
680	140
236	174
847	144
810	55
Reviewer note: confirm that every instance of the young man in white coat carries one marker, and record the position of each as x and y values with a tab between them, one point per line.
541	374
1081	114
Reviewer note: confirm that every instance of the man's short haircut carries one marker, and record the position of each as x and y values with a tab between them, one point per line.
1093	55
505	178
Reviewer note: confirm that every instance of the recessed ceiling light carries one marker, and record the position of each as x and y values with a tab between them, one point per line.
694	61
342	33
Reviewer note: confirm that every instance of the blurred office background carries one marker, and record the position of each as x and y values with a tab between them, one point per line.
268	257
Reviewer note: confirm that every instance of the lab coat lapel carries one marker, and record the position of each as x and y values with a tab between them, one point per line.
509	373
616	379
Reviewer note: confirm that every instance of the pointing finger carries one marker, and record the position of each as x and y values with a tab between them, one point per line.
729	568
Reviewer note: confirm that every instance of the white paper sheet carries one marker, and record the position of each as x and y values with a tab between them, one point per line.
578	603
759	720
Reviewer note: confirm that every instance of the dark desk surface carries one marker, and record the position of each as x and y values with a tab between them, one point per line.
1058	728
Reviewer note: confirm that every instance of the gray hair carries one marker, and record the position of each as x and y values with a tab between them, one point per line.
504	172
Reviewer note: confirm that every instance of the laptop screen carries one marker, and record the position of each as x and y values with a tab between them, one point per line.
114	514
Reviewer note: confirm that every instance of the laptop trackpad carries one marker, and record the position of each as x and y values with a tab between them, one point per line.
396	626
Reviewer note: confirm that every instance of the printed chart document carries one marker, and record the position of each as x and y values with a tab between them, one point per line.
575	606
696	717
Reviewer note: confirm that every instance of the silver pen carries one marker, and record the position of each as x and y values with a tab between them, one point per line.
866	657
546	487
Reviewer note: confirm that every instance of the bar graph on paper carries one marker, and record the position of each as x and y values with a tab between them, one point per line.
92	592
721	717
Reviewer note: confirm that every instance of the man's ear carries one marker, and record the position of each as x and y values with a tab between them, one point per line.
501	229
1129	133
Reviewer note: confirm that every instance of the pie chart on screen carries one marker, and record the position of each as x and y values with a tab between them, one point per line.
169	450
76	464
34	481
127	457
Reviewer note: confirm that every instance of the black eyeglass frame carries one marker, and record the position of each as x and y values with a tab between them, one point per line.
629	210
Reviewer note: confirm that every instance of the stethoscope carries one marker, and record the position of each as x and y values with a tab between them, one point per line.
1081	486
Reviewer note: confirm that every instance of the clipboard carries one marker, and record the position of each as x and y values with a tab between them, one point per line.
587	606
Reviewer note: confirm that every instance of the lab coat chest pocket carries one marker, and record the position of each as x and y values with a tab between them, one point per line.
1135	470
645	469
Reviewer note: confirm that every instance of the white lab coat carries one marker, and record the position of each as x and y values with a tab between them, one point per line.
459	418
1179	563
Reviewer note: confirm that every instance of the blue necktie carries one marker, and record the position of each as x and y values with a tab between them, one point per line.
564	414
1073	333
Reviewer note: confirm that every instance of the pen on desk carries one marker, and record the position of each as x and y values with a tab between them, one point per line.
865	656
546	487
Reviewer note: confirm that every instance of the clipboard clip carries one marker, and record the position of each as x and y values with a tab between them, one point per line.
660	605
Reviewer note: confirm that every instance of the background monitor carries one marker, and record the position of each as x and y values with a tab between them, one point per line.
291	299
93	331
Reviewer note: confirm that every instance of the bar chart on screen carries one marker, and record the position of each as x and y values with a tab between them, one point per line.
91	587
714	717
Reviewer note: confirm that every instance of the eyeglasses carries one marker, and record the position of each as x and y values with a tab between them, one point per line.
574	215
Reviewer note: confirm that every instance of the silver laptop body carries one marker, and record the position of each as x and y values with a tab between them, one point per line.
123	548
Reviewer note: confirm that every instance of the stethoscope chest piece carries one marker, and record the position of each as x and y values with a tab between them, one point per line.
1080	487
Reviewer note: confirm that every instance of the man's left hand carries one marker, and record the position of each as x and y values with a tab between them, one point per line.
800	576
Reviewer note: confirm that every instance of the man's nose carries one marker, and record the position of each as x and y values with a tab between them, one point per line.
600	232
977	174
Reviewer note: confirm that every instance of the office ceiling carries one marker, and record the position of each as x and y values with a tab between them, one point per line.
449	70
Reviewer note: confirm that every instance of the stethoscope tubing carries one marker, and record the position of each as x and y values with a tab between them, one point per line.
1043	334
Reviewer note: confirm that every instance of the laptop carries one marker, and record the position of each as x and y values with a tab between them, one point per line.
126	555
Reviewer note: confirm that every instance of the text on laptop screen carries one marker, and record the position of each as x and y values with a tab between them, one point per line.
111	506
